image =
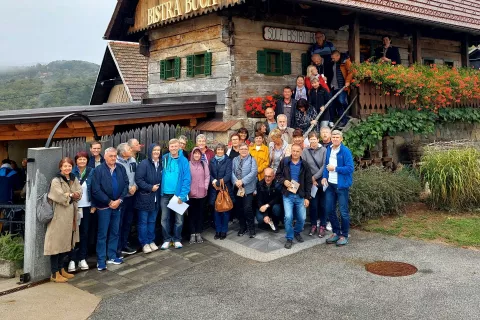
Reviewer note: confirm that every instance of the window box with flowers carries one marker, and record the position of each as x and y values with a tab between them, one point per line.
255	107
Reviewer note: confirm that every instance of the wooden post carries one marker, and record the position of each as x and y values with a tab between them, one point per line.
193	122
3	150
464	51
354	39
417	47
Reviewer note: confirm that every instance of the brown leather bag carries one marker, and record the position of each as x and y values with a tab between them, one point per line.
223	203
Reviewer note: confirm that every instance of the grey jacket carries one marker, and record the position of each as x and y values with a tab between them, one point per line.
249	173
130	166
318	154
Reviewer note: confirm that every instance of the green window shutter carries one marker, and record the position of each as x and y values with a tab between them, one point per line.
287	63
190	72
163	69
177	68
261	61
304	63
208	63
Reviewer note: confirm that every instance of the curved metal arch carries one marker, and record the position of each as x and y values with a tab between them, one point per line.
84	117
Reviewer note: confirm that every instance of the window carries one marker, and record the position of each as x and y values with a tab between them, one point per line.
448	63
274	62
199	64
428	61
170	68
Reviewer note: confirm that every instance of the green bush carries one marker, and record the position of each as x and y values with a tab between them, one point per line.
453	177
376	192
11	248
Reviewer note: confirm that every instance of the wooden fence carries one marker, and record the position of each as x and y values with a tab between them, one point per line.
158	133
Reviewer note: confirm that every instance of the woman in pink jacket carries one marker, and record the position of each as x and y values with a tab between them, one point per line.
198	194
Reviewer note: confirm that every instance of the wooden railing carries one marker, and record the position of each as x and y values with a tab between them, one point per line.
372	99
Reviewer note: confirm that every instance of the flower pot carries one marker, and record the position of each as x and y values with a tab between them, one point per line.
255	115
7	268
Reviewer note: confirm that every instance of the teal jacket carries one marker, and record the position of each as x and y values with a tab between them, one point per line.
184	178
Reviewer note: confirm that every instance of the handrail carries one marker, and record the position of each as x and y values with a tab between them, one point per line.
84	117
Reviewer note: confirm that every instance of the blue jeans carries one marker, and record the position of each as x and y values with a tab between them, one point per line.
334	194
274	213
126	221
221	221
166	221
146	226
317	208
293	204
108	223
339	106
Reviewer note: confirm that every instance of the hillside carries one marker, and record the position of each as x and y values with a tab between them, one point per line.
59	83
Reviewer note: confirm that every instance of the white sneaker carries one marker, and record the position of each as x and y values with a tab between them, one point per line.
165	245
329	226
146	248
178	245
83	265
153	246
71	266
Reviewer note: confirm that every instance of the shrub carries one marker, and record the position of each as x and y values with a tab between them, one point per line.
376	192
11	248
453	177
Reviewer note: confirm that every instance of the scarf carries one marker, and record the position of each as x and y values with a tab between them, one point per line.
219	158
238	169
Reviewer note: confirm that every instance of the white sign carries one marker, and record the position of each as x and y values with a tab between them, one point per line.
288	35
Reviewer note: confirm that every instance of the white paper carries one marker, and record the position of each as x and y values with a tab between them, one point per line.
178	208
325	186
313	193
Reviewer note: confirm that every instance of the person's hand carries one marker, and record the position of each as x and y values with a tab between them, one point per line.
132	190
76	196
306	203
330	167
287	183
263	208
239	183
322	108
180	201
314	122
155	187
93	209
266	219
114	204
347	84
314	181
324	182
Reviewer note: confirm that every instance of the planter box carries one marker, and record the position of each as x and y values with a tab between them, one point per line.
7	268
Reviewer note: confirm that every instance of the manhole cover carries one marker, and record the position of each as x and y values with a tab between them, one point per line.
390	268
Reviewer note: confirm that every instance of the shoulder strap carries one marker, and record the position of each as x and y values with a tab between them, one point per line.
313	157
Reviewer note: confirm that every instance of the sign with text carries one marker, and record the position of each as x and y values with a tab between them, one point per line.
288	35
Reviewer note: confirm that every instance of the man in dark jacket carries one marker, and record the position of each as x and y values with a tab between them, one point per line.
287	106
296	178
387	53
325	49
10	181
96	158
269	199
109	188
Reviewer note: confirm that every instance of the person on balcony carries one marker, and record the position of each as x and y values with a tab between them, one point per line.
342	75
286	106
325	49
388	53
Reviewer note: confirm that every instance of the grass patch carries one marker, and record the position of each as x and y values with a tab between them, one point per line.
460	230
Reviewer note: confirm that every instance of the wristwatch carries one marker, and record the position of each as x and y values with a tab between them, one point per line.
71	195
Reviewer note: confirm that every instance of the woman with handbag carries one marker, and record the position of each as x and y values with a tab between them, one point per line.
198	193
220	177
62	231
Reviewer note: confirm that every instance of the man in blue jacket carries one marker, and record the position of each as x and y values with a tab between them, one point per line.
109	188
338	176
176	180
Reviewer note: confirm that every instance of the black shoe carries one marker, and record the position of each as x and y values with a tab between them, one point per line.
217	236
299	238
252	234
127	250
241	232
289	244
223	235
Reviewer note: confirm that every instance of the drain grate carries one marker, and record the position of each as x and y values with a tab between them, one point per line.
391	268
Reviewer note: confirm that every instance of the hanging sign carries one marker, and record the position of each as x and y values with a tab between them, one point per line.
288	35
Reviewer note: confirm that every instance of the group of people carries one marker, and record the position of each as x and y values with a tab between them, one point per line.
269	178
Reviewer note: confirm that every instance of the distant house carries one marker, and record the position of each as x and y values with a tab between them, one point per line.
122	76
474	57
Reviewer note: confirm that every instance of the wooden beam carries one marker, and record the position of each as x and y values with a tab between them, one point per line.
98	125
417	47
3	150
193	122
43	134
35	126
464	51
354	40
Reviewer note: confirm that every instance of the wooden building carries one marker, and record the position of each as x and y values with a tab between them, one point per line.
237	49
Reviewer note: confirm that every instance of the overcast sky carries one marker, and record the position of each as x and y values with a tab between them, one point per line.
34	31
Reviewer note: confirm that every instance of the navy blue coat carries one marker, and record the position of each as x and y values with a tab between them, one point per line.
220	170
91	161
102	191
146	177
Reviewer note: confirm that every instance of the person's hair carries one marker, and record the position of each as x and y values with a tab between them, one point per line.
6	161
270	108
94	142
296	145
309	71
313	134
314	79
221	146
259	133
319	31
283	116
243	130
387	36
121	148
275	133
130	141
196	150
297	133
335	52
173	141
337	133
81	154
287	87
302	103
325	128
108	150
300	76
258	125
243	144
65	159
201	136
234	135
182	137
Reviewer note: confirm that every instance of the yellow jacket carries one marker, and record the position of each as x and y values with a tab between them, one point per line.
262	158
